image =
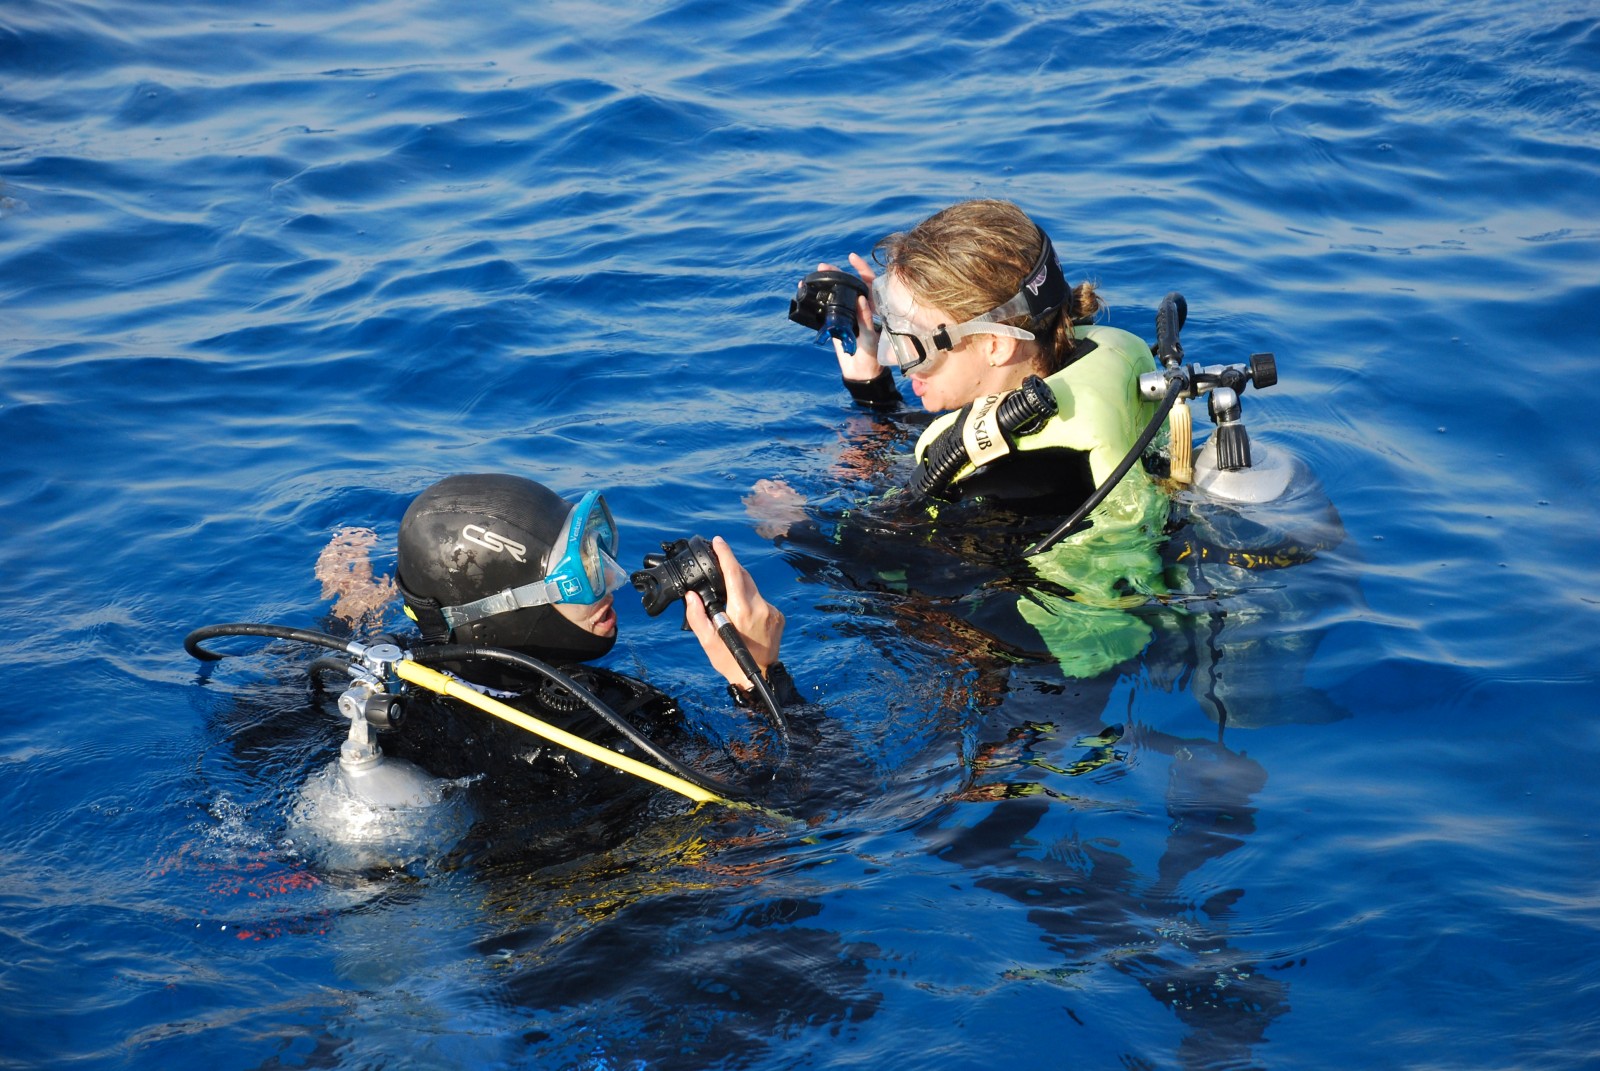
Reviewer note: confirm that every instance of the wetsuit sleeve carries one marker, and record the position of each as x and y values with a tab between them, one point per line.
779	683
879	392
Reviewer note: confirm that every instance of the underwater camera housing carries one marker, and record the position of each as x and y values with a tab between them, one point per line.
826	303
687	565
684	565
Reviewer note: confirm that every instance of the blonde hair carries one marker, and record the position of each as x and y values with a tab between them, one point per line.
972	257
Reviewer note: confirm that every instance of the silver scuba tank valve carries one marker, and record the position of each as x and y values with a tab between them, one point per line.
370	706
1224	467
364	772
359	750
1261	372
367	775
375	694
369	703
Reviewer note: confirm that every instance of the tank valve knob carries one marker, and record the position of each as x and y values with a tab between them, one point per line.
1263	370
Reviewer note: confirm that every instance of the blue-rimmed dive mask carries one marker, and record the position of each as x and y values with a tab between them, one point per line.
913	347
581	567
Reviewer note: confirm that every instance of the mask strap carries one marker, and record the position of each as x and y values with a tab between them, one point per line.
1045	289
538	593
427	613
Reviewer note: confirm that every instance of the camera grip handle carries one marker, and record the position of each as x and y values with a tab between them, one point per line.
741	654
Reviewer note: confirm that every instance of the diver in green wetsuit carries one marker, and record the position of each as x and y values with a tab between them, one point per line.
972	304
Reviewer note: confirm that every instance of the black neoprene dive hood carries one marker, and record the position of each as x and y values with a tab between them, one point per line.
473	535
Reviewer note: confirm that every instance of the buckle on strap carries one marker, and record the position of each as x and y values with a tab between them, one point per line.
537	593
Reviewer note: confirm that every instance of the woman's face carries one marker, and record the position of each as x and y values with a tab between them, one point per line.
599	618
963	376
950	378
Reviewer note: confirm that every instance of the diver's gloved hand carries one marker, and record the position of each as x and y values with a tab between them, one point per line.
758	622
862	365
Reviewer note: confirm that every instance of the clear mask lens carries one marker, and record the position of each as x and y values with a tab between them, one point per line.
904	345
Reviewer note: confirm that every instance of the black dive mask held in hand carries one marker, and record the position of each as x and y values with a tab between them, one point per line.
687	565
826	303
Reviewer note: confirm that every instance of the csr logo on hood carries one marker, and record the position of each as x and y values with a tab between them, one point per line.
484	537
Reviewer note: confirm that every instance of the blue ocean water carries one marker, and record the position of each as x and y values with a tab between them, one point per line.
266	274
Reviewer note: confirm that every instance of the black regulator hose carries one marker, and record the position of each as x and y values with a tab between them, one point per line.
747	662
327	664
191	642
1020	412
435	654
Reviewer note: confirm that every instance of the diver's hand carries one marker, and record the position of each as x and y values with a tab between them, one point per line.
758	622
863	363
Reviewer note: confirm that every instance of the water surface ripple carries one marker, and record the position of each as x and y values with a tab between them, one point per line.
267	273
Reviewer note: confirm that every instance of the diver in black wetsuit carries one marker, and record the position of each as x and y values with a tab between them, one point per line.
496	561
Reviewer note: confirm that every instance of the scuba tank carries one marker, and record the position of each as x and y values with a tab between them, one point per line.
1256	505
1246	508
1229	466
